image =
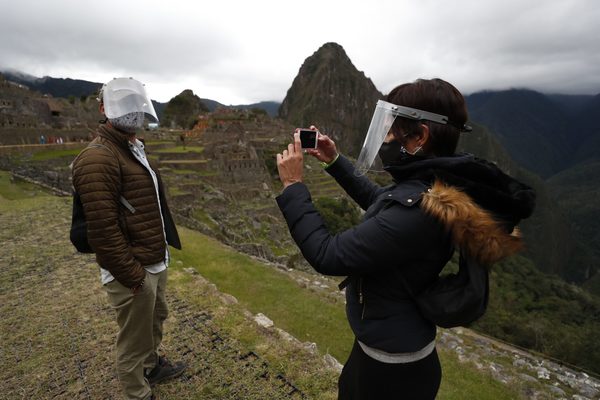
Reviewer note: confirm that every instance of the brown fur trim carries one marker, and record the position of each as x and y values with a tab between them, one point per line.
473	229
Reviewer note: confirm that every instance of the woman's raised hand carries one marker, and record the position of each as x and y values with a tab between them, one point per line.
290	162
326	150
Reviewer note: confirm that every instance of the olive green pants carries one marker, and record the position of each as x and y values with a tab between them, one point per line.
140	318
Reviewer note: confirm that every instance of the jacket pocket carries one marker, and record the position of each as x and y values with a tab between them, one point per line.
124	212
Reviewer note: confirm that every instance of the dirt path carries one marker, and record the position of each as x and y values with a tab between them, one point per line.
57	331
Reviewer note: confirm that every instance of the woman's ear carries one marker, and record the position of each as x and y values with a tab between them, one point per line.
424	136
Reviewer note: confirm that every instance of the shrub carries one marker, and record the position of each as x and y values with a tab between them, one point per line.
338	214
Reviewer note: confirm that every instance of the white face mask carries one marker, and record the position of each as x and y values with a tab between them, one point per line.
128	122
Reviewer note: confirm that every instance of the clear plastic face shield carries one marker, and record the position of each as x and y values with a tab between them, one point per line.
384	116
123	96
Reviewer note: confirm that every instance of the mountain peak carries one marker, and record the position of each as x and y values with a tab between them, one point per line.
331	45
182	110
331	49
332	94
187	92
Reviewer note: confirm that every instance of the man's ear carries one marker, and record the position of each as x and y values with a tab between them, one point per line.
102	108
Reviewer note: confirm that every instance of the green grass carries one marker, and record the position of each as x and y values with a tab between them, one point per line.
279	251
179	149
19	190
201	215
460	381
150	142
174	191
263	289
46	155
310	316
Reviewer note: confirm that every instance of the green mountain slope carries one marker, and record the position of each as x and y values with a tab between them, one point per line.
577	190
543	313
528	124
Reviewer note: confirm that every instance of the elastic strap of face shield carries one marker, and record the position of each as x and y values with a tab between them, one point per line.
100	96
100	100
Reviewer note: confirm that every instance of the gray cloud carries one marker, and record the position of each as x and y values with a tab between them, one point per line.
241	52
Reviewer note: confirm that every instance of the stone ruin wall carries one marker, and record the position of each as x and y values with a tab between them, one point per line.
31	136
26	115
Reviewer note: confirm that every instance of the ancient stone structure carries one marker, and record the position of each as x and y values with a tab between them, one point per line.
26	115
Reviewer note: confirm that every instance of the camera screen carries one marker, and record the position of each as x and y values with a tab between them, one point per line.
308	138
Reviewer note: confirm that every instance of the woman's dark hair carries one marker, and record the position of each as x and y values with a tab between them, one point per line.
436	96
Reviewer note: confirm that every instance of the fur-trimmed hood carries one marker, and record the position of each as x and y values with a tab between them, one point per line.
478	203
474	230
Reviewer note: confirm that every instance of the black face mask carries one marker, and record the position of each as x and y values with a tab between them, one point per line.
392	153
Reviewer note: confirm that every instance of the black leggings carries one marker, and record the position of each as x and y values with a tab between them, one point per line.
364	378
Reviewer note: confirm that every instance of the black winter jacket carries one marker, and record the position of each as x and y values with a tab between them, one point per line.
397	239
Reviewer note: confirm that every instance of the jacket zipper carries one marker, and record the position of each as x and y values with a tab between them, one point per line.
361	298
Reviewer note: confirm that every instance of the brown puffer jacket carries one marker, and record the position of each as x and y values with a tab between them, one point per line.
123	241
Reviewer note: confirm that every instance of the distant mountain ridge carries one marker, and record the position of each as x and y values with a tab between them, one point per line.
271	107
59	87
571	104
545	133
56	87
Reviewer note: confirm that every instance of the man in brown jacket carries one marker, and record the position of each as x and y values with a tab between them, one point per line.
129	227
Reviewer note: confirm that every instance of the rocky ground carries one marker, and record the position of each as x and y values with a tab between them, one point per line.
537	377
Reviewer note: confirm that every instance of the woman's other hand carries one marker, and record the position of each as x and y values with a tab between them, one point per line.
326	151
290	163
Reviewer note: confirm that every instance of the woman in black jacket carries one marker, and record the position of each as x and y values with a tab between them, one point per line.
439	201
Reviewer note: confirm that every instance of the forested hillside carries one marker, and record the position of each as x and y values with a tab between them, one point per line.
558	138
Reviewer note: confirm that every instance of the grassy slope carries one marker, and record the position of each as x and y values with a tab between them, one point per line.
10	191
53	153
263	289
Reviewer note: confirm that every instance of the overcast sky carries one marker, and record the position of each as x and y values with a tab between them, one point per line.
248	51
